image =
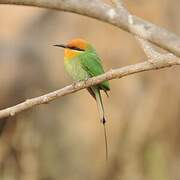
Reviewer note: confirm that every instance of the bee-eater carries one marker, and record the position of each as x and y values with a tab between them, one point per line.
82	62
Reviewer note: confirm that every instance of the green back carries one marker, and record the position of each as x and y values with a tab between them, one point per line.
91	63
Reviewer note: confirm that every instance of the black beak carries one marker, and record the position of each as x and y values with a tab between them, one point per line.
60	45
68	47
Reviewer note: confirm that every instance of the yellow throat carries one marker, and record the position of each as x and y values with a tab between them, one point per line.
70	54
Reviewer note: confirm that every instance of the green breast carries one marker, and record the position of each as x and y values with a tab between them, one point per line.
75	70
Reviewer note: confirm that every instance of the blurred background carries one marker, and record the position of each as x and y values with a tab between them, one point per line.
64	139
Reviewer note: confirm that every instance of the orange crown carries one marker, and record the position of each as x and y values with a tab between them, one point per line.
76	43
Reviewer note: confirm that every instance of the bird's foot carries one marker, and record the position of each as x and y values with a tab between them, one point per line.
86	79
74	84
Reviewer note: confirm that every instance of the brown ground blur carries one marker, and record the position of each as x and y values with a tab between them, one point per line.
64	140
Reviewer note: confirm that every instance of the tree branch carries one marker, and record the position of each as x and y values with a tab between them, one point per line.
111	74
151	53
115	16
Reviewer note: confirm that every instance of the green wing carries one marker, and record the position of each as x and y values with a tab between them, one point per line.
92	64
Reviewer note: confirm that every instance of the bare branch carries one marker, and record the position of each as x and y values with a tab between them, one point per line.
151	53
147	46
111	74
118	17
119	4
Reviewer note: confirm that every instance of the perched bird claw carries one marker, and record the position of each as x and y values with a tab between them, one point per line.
86	79
74	84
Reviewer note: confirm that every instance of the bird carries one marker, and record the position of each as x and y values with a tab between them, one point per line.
82	62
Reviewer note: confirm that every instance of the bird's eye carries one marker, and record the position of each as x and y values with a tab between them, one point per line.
75	48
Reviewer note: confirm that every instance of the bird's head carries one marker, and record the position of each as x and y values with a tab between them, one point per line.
75	47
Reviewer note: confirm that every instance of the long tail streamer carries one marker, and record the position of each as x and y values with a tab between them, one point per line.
106	140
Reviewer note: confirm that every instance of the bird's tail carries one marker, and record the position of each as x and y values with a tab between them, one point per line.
102	116
100	106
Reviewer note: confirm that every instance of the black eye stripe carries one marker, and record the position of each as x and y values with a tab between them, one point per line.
75	48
